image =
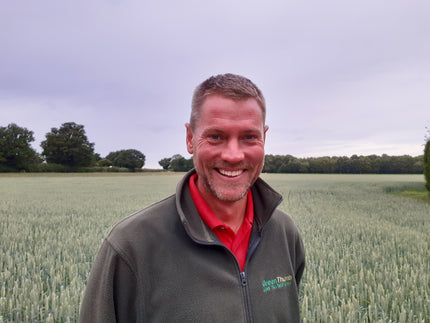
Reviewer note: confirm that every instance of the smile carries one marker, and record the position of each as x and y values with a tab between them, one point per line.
232	173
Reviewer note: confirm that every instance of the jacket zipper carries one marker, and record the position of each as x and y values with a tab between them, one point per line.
255	240
246	297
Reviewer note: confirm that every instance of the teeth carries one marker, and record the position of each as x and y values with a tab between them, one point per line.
232	173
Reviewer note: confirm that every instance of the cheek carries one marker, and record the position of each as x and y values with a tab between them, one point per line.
256	154
203	153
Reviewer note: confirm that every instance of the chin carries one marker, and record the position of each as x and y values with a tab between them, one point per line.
230	197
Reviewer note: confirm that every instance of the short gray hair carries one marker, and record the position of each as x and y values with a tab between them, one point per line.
230	86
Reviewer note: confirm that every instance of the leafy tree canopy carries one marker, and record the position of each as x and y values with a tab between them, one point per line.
427	160
68	146
128	158
181	164
15	150
165	163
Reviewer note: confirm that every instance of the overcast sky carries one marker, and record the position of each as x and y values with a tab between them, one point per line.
339	77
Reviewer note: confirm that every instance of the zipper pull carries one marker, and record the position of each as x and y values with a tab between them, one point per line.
243	278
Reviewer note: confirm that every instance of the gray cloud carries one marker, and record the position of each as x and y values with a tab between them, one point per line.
339	77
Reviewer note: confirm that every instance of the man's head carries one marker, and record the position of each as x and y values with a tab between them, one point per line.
227	137
230	86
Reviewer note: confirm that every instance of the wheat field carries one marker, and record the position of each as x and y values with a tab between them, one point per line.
367	251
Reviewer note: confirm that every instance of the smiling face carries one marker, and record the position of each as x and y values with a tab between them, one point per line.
227	144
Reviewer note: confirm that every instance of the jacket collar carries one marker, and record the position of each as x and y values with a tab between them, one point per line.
266	199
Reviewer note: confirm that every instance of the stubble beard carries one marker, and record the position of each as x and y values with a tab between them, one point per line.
226	197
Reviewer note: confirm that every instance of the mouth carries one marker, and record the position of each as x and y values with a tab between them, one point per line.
230	173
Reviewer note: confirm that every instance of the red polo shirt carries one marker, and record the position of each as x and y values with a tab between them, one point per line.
237	243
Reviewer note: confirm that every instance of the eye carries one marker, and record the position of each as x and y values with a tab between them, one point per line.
214	138
250	137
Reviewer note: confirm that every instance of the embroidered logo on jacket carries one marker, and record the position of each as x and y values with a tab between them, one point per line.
276	283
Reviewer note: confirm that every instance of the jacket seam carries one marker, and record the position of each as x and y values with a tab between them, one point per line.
123	257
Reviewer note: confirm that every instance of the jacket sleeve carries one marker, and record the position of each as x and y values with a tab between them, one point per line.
110	294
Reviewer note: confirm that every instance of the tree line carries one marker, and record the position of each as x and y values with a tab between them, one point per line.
67	148
372	164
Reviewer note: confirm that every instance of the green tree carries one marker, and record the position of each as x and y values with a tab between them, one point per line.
68	146
322	165
128	158
104	162
272	163
181	164
97	157
15	150
165	163
427	162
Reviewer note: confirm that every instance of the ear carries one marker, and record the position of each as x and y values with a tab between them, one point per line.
266	127
189	139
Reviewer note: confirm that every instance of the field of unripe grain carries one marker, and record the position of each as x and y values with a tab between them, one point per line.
368	254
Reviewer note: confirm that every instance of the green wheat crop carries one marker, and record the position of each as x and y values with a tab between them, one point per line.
367	251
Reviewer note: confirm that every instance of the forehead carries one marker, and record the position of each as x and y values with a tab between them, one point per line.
218	109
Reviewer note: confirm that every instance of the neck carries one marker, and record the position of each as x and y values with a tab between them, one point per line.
230	213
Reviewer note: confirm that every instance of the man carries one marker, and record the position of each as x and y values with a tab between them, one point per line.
216	251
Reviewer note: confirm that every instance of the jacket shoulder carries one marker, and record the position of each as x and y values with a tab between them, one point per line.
282	219
144	227
152	214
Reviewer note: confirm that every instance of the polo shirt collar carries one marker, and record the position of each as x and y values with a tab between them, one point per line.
265	199
207	214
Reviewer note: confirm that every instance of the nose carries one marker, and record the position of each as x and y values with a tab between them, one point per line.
232	152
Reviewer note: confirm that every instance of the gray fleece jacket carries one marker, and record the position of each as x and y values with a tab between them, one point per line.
163	264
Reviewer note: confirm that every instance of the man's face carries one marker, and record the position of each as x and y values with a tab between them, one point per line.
228	147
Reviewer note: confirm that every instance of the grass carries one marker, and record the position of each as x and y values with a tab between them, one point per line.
419	195
414	191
